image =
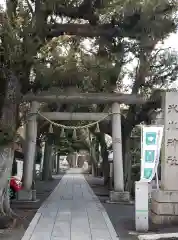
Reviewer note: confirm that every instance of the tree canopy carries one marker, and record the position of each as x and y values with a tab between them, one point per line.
90	46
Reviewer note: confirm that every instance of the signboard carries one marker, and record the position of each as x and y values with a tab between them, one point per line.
151	139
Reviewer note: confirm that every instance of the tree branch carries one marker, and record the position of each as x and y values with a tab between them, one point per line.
140	78
86	10
76	13
153	103
82	30
29	6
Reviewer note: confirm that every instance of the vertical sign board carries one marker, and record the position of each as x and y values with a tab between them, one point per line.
151	146
151	139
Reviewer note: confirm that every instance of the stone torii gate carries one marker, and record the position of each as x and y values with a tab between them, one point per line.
115	99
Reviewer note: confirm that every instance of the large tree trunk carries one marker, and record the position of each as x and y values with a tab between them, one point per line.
47	159
127	160
58	163
7	133
54	162
127	166
94	159
50	172
105	166
104	155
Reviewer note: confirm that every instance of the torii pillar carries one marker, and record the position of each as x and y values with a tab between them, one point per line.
30	152
118	194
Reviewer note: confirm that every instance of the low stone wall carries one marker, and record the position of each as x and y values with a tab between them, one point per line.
164	207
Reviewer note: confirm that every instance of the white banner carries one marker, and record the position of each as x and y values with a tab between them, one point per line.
151	140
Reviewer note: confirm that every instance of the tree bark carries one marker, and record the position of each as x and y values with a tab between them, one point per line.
94	170
127	166
7	133
105	166
47	158
50	171
54	162
82	30
94	159
104	154
58	163
70	159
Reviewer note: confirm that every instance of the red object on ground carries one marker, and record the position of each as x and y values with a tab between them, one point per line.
15	183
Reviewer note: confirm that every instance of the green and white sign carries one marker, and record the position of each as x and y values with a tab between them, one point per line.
151	139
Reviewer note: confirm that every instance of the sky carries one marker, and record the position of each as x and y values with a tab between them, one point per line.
172	41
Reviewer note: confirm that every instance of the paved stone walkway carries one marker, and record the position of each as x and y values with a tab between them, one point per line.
72	212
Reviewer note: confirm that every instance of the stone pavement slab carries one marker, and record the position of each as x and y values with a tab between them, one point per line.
72	212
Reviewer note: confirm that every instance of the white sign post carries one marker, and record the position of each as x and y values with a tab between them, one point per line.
141	206
150	153
151	139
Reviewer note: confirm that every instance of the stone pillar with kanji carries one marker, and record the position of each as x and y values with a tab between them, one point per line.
164	207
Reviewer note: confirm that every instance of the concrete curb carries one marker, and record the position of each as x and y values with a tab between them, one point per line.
158	236
31	227
112	231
